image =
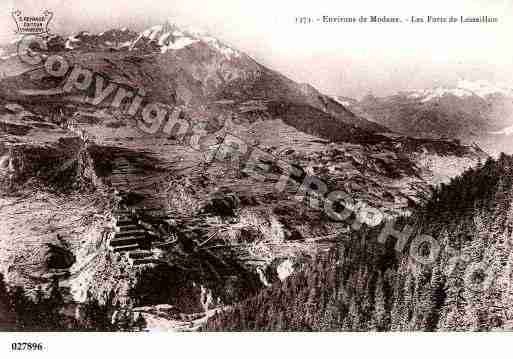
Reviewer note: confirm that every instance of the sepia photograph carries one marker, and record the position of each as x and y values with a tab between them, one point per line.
271	166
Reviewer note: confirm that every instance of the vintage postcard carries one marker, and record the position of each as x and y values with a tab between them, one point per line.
270	166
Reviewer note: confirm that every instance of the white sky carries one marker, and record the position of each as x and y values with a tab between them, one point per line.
344	59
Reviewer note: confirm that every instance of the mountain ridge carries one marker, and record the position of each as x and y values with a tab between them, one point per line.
114	177
477	112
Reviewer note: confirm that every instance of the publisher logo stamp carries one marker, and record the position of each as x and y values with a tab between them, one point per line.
32	25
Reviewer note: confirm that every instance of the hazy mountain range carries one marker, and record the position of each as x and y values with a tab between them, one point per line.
473	111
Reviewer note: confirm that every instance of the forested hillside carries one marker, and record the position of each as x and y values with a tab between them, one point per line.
367	283
20	311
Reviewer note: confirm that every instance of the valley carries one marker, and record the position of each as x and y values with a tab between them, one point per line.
105	213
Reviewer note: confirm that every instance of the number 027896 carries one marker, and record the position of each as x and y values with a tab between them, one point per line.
26	346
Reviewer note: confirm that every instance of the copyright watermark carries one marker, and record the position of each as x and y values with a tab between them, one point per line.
154	118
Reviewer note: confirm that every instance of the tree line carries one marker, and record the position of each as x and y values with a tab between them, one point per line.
364	285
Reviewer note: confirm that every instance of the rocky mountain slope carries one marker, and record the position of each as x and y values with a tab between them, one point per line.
179	67
127	209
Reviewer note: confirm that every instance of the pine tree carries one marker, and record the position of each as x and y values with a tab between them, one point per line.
7	315
23	308
53	306
380	316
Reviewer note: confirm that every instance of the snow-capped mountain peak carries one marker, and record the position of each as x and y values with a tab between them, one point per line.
69	42
464	88
159	38
430	94
171	37
484	88
505	131
110	39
